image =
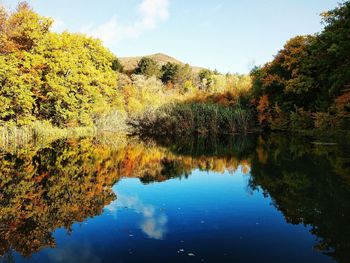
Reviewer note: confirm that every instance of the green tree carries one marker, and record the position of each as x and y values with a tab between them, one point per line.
184	75
117	66
169	72
331	51
206	78
310	73
148	67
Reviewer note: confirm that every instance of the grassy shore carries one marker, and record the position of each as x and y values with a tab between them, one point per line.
204	119
40	133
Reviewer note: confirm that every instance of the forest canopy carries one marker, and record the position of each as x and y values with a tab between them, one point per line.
72	80
307	85
64	78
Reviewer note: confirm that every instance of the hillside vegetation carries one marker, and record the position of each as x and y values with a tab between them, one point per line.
130	63
70	80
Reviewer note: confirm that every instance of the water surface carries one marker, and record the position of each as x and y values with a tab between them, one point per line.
241	199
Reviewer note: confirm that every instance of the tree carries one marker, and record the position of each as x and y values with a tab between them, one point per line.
20	69
22	29
206	78
310	73
331	51
117	66
65	78
148	67
79	80
184	75
170	72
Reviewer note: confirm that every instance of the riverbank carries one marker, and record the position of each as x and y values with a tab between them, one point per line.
39	133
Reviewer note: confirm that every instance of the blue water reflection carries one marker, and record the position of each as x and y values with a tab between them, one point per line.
207	217
258	199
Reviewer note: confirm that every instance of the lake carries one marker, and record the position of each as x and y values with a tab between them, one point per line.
271	198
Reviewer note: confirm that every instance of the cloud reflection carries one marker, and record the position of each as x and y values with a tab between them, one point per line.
153	222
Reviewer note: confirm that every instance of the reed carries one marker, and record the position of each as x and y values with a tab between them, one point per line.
38	133
194	118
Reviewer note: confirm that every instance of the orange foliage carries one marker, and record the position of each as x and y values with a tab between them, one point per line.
263	110
342	103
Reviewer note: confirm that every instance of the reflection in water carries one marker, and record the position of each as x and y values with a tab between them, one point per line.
42	189
310	184
69	181
48	189
153	222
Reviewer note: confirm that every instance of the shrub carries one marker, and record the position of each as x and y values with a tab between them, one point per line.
280	120
301	119
324	121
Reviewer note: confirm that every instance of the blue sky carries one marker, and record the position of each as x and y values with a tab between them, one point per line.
229	35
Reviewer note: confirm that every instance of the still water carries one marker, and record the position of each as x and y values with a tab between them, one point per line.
253	199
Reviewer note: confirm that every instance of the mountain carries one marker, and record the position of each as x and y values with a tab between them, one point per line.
130	63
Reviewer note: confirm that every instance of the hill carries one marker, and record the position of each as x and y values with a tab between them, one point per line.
130	63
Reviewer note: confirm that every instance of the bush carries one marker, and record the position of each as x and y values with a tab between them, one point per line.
301	120
280	120
324	121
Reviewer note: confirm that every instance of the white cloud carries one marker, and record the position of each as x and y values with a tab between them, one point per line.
153	222
151	13
153	10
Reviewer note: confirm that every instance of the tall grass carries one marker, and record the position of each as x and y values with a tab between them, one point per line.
38	133
114	122
194	118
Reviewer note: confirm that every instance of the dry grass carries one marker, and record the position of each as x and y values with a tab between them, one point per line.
38	133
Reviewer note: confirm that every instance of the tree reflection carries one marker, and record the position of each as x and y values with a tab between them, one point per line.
310	184
71	180
53	187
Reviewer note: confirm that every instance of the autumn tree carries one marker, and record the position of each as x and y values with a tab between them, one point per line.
22	29
310	75
184	75
69	79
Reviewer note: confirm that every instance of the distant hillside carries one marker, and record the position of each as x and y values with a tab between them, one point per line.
130	63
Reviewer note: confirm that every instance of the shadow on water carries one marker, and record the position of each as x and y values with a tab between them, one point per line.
43	189
225	146
310	184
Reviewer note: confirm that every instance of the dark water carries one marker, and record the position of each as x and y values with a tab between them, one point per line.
254	199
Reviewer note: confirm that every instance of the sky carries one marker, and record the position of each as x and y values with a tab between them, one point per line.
228	35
